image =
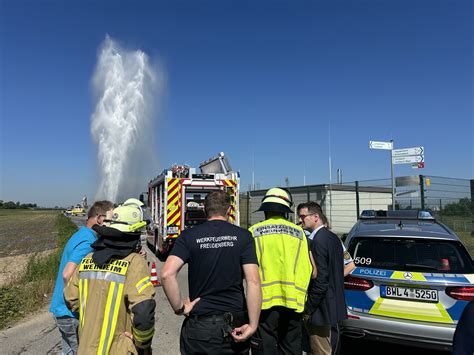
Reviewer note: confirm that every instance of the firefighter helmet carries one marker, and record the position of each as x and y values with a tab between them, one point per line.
129	217
277	199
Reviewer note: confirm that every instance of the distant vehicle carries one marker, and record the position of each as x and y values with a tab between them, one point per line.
412	280
68	212
176	199
78	210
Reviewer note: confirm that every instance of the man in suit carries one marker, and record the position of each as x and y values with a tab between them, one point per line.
463	341
325	306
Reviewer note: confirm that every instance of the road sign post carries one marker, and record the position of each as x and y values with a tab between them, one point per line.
393	176
414	156
386	146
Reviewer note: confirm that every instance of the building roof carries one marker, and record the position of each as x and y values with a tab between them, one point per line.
326	187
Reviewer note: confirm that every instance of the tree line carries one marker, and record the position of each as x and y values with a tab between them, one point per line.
463	208
16	205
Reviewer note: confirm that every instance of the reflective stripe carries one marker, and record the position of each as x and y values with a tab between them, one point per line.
110	317
283	298
81	302
116	308
297	256
145	286
260	261
103	275
143	335
84	299
143	283
284	283
428	312
272	229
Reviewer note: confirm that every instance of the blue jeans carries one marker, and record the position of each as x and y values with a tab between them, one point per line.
68	328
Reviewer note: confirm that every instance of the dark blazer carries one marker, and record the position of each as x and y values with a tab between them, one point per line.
326	301
463	342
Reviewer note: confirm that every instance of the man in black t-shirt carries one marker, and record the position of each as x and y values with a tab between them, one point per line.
219	319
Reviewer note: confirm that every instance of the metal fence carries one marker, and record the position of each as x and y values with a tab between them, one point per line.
451	200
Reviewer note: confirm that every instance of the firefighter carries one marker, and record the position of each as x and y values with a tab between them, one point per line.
285	271
111	288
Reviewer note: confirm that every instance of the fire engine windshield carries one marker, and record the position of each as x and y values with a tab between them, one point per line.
194	208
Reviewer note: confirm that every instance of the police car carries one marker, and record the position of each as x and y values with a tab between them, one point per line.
412	280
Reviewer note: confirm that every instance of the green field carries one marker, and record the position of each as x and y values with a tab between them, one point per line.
33	284
26	231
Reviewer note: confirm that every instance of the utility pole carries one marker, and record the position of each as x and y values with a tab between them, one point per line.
304	173
393	176
253	169
330	176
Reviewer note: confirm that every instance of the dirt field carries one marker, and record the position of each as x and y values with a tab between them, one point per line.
22	234
26	231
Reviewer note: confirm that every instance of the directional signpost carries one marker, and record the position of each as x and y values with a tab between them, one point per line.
380	145
414	156
408	151
386	146
409	159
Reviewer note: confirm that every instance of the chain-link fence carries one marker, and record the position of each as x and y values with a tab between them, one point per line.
450	200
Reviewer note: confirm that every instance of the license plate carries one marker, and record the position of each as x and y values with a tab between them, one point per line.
172	230
405	293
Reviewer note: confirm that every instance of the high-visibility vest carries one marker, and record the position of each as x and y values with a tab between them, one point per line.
284	263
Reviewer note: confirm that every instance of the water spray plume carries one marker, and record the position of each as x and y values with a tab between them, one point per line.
122	123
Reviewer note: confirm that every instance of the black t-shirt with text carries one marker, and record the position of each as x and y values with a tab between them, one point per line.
215	252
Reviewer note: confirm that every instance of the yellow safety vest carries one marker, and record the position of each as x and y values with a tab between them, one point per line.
284	264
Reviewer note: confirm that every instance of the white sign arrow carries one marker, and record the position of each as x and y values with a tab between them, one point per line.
380	145
408	151
408	159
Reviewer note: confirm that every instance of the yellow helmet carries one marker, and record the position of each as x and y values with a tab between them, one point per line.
129	217
277	199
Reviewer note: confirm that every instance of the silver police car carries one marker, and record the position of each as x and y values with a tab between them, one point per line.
412	280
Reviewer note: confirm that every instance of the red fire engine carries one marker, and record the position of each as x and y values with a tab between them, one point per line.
176	199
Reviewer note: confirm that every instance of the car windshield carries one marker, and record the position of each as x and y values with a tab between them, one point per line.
407	254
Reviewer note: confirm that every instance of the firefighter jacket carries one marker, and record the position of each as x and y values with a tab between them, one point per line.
285	266
114	298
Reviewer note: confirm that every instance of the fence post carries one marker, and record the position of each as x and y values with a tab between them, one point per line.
248	209
357	199
422	191
472	207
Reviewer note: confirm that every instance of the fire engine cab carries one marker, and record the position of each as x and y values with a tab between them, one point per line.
176	199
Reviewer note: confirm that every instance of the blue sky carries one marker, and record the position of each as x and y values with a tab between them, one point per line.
248	78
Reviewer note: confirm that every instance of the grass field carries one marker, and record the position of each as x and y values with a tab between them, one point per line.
463	227
26	231
31	288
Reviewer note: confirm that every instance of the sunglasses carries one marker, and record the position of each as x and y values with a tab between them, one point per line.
303	216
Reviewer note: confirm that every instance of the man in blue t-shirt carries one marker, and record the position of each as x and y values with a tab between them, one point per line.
77	247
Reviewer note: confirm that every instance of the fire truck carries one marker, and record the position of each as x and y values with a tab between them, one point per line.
176	199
